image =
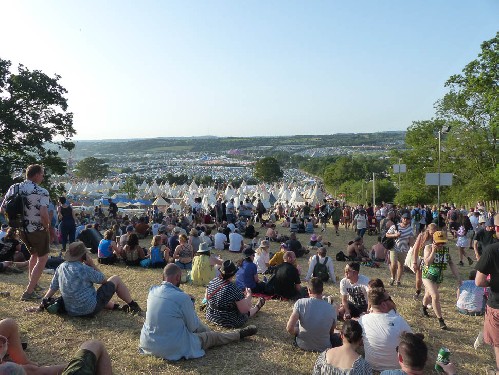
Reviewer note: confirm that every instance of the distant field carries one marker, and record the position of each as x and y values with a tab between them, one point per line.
169	148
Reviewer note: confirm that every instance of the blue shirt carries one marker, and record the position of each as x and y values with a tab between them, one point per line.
245	276
105	250
170	322
76	282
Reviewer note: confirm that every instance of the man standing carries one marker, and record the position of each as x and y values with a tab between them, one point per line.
488	264
483	237
313	319
113	208
230	211
382	328
336	216
353	290
75	278
172	330
35	235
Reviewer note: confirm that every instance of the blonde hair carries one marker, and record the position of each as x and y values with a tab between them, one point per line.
156	240
261	250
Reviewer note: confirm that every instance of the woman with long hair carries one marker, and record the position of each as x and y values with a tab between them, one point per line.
424	238
183	253
133	253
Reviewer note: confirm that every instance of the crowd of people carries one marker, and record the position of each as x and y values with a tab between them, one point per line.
190	247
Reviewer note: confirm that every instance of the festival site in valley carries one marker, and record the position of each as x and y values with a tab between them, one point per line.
249	188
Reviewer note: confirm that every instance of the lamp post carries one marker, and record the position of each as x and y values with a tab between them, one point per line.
444	130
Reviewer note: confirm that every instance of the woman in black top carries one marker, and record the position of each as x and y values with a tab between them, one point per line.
68	224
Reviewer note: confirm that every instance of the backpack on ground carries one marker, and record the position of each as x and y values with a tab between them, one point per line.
14	208
341	257
320	269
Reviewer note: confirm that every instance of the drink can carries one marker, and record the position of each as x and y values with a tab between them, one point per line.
443	356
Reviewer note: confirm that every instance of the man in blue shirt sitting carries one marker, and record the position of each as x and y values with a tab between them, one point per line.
172	329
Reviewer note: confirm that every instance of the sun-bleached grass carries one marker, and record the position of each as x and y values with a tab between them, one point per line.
52	339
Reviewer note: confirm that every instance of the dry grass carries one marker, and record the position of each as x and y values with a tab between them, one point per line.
52	339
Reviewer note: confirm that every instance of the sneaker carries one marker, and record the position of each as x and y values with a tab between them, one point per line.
34	296
461	263
39	288
470	261
424	311
392	282
399	283
49	271
132	308
337	233
442	324
247	331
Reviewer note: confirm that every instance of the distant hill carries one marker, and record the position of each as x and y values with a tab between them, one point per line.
214	144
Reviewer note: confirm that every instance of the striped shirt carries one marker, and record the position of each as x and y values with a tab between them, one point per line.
402	242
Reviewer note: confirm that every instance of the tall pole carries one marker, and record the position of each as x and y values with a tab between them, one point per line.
400	160
438	186
374	193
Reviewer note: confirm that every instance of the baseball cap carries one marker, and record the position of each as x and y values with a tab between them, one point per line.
129	228
439	237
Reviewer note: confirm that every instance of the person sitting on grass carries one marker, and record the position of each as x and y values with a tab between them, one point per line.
158	256
227	305
322	259
91	358
470	298
172	330
378	251
75	278
344	359
313	320
108	249
203	265
133	253
412	354
278	257
287	282
356	250
247	274
353	290
262	257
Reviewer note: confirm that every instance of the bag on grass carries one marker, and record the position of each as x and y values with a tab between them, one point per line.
341	257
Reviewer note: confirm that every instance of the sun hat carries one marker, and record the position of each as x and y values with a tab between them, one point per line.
228	268
284	245
313	237
265	243
203	248
248	251
75	251
129	228
439	237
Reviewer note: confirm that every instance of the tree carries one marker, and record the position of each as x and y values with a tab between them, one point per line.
92	169
34	122
130	187
469	150
268	170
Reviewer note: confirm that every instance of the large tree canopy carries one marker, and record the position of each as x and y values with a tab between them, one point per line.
268	170
33	115
92	169
469	150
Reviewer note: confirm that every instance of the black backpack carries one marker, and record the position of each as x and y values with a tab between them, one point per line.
14	207
388	243
320	269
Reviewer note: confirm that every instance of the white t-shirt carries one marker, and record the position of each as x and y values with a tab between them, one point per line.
260	260
235	240
220	239
402	242
357	292
381	333
361	221
155	228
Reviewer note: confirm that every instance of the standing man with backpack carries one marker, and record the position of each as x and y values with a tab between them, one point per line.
34	230
321	266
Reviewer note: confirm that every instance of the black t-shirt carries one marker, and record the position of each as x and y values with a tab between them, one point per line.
113	208
294	245
489	264
8	249
286	278
484	238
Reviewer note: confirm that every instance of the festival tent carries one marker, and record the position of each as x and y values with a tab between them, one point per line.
316	196
159	201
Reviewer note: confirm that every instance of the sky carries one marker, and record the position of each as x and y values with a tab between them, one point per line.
142	69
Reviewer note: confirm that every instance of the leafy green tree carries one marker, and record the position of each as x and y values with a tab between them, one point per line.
267	169
34	122
130	187
92	169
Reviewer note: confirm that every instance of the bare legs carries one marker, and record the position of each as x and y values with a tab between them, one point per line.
36	266
431	293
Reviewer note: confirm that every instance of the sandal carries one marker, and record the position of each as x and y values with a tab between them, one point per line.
260	303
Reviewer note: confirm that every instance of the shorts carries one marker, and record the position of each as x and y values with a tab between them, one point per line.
104	294
356	311
491	326
336	222
84	362
397	256
37	243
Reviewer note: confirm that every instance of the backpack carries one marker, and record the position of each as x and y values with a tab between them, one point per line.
417	216
388	243
320	269
14	208
341	257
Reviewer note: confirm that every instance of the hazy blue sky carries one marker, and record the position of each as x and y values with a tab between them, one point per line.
242	68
